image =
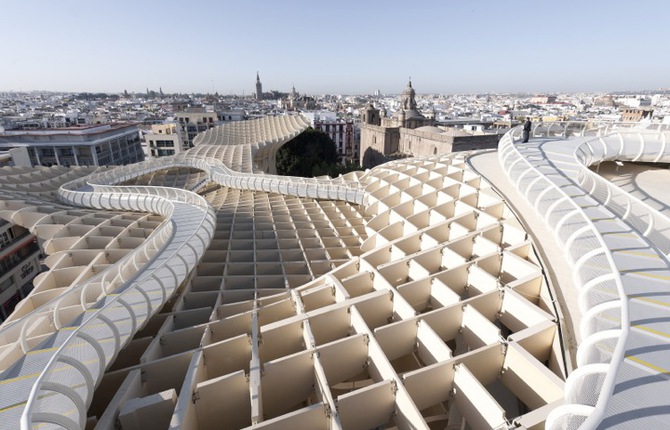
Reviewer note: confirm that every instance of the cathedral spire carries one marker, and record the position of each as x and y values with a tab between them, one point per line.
259	87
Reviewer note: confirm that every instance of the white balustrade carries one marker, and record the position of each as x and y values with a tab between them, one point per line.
602	298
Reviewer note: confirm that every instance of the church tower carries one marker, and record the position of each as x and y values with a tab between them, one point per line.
408	101
259	88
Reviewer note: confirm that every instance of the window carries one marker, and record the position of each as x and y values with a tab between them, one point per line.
4	238
6	284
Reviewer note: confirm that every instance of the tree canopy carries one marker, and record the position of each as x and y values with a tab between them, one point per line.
311	153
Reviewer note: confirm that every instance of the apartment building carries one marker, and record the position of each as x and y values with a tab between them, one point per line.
95	145
19	264
163	140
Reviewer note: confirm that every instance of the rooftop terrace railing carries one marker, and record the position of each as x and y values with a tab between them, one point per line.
333	189
593	268
22	322
635	146
602	298
66	384
131	291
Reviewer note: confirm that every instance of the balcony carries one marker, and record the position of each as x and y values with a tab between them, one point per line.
21	248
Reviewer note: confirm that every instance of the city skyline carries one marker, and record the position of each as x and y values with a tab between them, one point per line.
348	47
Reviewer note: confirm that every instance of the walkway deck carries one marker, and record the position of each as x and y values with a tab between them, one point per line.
641	320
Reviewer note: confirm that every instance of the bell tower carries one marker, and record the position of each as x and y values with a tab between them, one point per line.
259	88
408	101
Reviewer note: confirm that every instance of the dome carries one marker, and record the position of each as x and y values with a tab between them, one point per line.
408	101
430	129
409	90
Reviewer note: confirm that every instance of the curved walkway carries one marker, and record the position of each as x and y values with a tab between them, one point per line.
646	183
55	383
618	248
443	310
435	222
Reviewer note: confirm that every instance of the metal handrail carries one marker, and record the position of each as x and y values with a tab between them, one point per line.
102	185
156	200
17	332
631	200
26	418
104	190
506	148
223	175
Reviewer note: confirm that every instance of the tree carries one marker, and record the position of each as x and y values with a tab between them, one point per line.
335	170
307	155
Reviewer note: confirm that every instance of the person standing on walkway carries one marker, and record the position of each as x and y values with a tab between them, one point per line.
526	129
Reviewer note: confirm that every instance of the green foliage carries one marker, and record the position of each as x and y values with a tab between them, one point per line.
335	170
311	153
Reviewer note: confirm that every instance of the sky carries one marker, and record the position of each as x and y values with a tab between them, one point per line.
335	46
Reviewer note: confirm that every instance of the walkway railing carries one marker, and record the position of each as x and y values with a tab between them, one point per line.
64	388
125	297
589	387
333	189
627	145
602	299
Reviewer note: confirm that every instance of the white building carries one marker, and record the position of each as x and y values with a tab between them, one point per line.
344	132
163	140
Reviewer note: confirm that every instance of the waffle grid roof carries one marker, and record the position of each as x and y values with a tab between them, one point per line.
408	297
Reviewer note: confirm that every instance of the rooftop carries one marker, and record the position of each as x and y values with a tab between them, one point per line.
200	290
77	130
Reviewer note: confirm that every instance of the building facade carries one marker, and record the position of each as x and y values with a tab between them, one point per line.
629	114
193	121
163	140
96	145
408	132
294	101
345	135
380	135
19	264
343	131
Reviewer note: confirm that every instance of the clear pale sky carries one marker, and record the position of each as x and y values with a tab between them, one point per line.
335	46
